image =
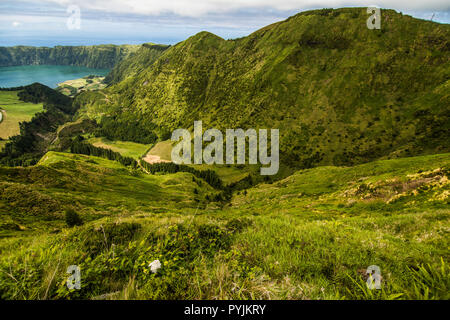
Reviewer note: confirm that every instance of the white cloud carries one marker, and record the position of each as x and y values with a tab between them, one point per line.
197	8
15	24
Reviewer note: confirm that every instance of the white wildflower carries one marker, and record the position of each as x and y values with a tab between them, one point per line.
155	266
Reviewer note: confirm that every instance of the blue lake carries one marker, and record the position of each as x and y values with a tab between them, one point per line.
48	75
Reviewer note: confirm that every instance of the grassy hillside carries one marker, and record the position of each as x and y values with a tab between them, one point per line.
99	56
310	236
338	92
36	197
135	62
15	111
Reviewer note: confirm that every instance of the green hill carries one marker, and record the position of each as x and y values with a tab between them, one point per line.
37	196
339	92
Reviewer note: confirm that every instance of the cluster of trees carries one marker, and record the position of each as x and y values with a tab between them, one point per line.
115	128
12	88
242	184
80	147
23	161
209	176
37	92
28	147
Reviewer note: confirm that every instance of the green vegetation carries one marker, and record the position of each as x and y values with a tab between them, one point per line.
37	197
309	236
72	218
210	176
2	144
163	150
354	107
100	56
36	135
80	147
37	92
66	133
14	111
136	61
340	94
115	128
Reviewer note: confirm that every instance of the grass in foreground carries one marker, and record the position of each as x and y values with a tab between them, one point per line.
309	236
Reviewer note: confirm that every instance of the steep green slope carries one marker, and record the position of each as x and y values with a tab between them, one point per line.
339	92
310	236
100	56
136	61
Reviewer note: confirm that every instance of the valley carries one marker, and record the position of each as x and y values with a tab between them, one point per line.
87	177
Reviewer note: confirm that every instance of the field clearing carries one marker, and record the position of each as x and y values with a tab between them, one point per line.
125	148
14	112
162	149
72	87
161	152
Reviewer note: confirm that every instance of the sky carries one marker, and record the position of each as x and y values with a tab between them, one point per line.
55	22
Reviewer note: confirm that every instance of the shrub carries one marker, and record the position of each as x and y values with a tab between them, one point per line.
72	218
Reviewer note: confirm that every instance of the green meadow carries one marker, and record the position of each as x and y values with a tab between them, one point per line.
15	111
125	148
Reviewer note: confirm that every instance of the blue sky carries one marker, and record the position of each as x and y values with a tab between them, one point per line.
44	22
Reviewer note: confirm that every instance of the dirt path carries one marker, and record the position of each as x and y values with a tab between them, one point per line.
153	159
